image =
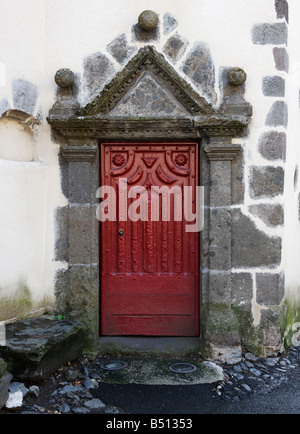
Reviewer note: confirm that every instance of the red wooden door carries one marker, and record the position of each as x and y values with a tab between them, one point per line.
150	269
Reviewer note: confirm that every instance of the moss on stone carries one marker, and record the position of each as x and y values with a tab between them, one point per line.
290	318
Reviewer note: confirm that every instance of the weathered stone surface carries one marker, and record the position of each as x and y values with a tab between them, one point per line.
222	334
242	289
36	347
148	20
80	182
269	288
282	9
25	95
232	86
220	183
82	226
140	35
175	47
273	86
266	181
237	179
220	234
272	145
266	33
4	386
62	230
281	59
199	67
271	215
220	287
64	77
278	115
98	69
237	76
169	23
120	49
148	98
252	247
4	106
270	328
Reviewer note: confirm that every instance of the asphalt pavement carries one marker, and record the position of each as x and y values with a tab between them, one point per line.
137	399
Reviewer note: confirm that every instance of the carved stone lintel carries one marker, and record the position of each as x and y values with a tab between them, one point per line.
78	153
222	152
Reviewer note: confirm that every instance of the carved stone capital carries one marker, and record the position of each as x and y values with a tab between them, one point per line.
221	152
81	153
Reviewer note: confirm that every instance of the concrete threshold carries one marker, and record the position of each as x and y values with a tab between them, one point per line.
155	346
149	359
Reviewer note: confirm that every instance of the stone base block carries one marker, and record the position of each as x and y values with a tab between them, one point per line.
37	347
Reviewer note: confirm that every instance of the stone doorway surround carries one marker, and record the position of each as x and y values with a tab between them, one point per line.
114	116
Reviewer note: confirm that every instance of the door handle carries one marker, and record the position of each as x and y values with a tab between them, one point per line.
121	232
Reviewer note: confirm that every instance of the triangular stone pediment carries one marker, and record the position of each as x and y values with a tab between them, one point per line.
148	86
148	98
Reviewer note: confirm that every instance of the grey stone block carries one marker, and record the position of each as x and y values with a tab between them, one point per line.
269	33
120	49
272	145
4	106
271	215
98	70
252	247
278	115
273	86
220	233
281	59
220	287
237	179
169	23
266	181
175	47
199	67
79	182
82	225
25	96
242	290
220	183
140	35
62	234
269	288
271	334
282	9
37	347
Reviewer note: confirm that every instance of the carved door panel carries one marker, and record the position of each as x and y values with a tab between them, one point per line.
150	266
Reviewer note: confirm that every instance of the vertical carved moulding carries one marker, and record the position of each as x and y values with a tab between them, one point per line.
225	343
83	233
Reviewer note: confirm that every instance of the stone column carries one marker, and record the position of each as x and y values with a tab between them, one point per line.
222	338
82	297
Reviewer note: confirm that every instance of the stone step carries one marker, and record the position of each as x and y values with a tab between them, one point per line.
37	347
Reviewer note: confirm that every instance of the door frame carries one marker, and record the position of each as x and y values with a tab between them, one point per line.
77	287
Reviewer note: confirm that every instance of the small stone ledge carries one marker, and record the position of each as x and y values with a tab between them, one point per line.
37	347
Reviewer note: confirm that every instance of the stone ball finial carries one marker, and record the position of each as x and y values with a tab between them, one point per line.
148	20
64	77
237	76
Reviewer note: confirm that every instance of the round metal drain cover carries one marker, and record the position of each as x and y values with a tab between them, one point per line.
114	365
183	368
